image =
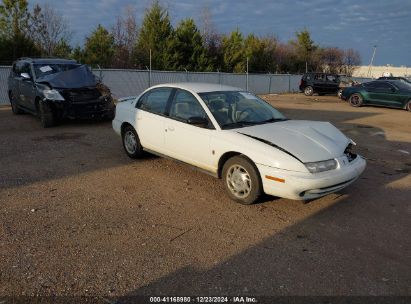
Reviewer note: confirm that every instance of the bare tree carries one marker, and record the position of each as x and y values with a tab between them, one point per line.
125	33
212	40
352	59
332	60
48	29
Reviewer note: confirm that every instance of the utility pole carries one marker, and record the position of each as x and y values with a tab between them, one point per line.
149	72
371	62
247	76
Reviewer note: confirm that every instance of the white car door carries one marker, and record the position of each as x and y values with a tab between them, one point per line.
188	142
150	118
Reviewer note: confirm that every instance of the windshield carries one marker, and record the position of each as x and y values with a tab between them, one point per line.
42	70
234	109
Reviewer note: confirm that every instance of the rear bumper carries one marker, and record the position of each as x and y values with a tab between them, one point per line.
304	186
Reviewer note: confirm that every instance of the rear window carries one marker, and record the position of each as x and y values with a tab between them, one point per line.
42	70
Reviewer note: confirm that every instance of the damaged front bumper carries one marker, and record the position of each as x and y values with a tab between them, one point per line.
306	186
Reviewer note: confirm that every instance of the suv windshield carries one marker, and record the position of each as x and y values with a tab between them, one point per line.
235	109
42	70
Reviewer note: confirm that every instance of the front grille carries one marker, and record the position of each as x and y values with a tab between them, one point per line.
81	95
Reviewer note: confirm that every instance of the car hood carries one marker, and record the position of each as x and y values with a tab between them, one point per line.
72	79
308	141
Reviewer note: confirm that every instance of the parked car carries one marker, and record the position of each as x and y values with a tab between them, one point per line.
391	93
234	135
54	89
321	83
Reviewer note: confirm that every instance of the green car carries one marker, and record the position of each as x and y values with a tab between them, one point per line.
392	93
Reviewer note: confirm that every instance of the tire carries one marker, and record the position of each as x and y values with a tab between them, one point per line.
14	105
339	93
242	180
356	100
47	117
131	143
308	91
408	106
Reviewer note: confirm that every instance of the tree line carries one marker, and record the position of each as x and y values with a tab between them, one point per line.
42	31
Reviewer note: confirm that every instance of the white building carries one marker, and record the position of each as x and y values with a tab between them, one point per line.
378	71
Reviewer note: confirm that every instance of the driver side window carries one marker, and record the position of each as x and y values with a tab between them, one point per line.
186	106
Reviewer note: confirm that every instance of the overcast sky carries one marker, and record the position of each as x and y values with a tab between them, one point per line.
343	23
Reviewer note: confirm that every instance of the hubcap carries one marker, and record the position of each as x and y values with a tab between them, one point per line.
355	100
130	142
308	91
238	181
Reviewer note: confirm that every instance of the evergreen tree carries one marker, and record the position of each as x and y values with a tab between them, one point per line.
305	49
77	54
62	49
185	48
261	53
234	53
99	48
14	18
14	41
154	34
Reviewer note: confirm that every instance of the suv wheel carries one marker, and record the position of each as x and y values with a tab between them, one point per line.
308	91
242	180
408	106
46	115
14	105
339	93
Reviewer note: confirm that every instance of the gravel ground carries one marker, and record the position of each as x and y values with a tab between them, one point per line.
78	217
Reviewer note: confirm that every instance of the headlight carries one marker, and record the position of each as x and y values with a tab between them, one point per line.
53	95
321	166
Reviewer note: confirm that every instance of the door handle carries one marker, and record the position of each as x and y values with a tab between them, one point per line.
171	129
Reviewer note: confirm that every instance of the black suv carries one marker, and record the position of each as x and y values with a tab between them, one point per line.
321	83
54	89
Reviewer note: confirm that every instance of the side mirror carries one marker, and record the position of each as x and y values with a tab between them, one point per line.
198	121
25	76
393	90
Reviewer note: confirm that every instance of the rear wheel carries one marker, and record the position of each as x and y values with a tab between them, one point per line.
242	180
339	93
356	100
131	143
308	91
46	115
14	105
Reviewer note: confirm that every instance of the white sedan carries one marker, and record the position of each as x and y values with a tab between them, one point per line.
234	135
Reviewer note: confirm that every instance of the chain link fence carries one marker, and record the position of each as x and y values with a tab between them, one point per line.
132	82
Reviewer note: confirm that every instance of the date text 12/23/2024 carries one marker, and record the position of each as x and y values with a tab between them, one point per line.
238	299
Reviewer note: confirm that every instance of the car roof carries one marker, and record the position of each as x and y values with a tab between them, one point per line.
200	87
48	60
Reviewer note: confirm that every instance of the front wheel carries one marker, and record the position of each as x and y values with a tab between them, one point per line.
15	105
242	180
356	100
131	143
339	93
408	106
308	91
46	115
